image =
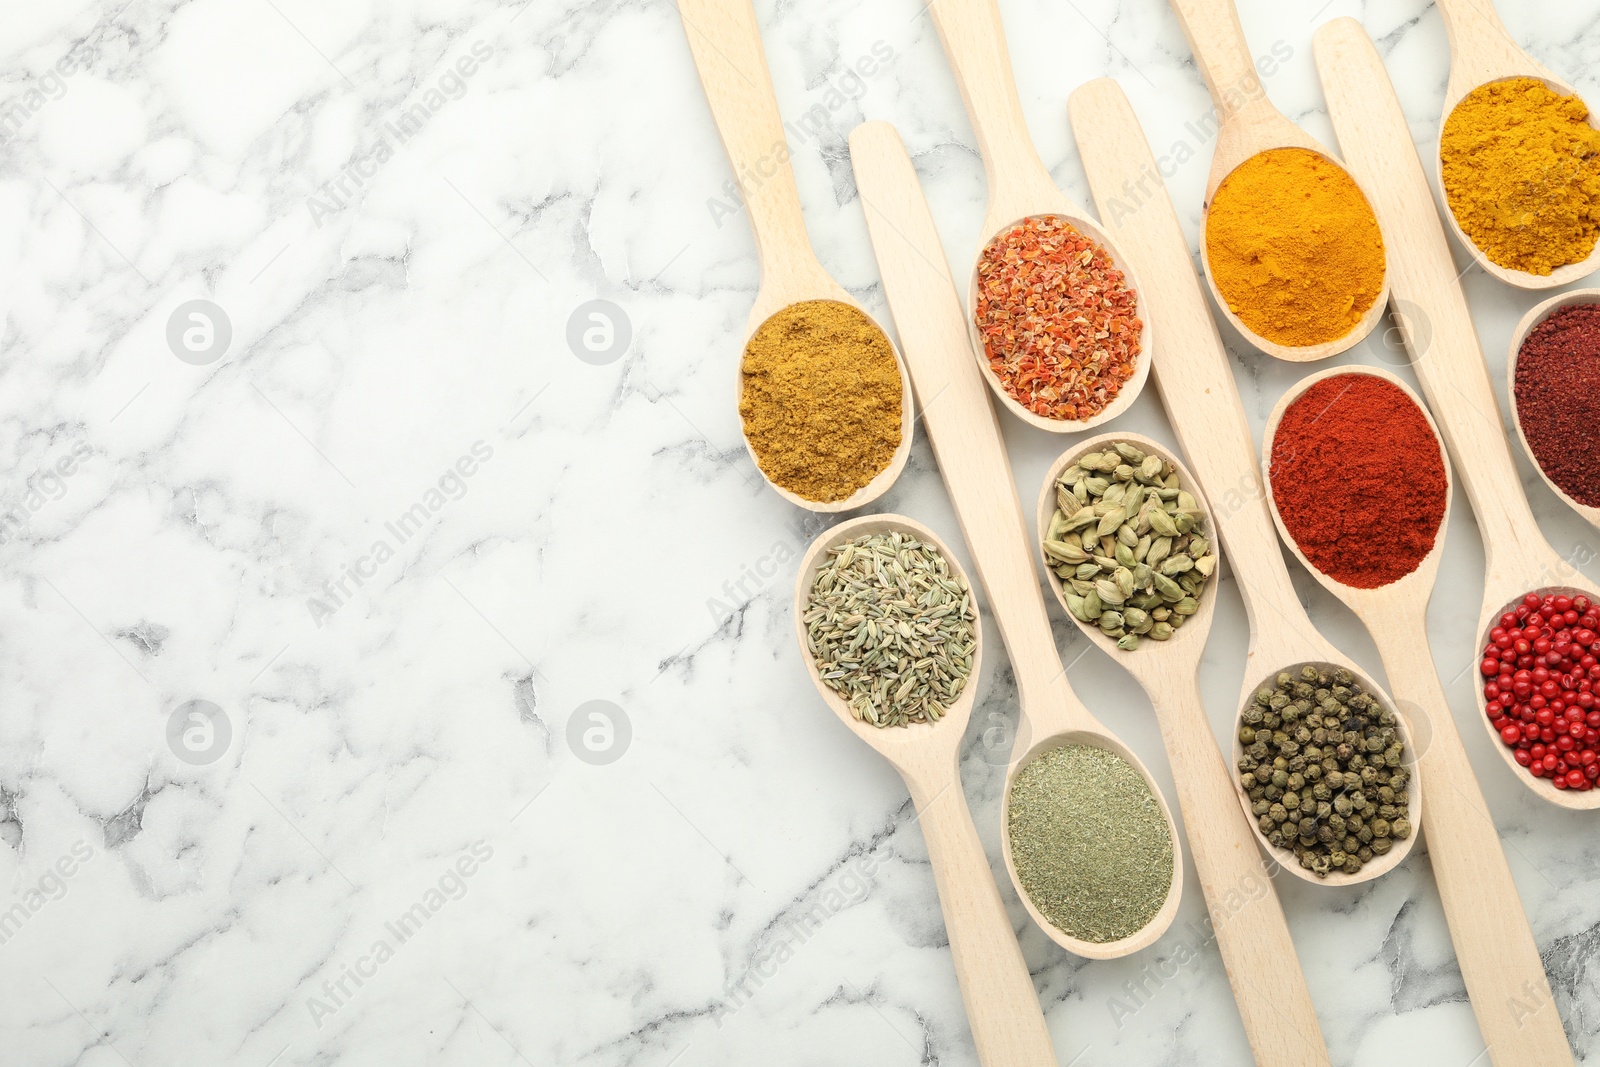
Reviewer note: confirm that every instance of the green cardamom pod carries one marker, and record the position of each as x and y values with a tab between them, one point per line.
1064	552
1129	452
1111	520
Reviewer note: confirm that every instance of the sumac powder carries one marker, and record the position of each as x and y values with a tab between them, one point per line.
1359	479
1557	389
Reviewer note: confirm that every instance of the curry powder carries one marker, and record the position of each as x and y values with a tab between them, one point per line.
821	399
1521	175
1294	248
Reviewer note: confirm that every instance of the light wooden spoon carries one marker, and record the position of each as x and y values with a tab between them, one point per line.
966	439
1481	51
1499	958
1437	327
1203	405
1250	125
726	44
1533	318
1257	952
1002	1005
1019	185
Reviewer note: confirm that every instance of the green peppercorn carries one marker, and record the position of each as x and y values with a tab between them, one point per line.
1329	766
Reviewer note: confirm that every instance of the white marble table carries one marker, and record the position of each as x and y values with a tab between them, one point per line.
392	534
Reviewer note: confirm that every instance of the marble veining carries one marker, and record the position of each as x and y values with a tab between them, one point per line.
308	600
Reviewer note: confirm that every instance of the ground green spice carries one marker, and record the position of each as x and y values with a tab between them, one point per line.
1089	843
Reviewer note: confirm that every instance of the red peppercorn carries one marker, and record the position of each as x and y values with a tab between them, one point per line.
1539	675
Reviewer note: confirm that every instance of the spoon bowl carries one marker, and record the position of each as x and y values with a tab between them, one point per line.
1378	865
1532	319
1130	389
885	478
892	742
1575	800
1250	125
1482	51
1188	641
1020	187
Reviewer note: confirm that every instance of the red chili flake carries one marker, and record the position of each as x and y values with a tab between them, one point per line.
1058	320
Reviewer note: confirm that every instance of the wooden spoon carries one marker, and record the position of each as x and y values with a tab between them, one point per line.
1250	125
966	439
1481	51
1437	327
1003	1007
1258	954
726	44
1203	405
1499	958
1019	185
1533	318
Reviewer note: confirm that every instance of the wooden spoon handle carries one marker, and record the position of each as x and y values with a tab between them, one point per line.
975	44
1190	366
1499	959
1427	298
1221	52
726	44
1002	1005
1471	23
961	422
1257	951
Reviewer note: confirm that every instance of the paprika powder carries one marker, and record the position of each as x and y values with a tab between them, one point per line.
1358	478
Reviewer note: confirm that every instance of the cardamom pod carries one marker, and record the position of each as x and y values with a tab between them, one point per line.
1130	453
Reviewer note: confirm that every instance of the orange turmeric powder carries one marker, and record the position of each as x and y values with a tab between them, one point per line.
1294	248
1521	168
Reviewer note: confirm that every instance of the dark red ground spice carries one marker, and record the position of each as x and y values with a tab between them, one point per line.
1359	479
1558	399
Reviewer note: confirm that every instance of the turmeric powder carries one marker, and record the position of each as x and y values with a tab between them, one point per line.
821	401
1522	174
1294	248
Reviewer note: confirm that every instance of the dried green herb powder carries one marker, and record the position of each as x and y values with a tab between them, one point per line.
1089	843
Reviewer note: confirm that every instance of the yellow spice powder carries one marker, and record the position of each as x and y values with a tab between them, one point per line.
1521	176
1294	248
821	399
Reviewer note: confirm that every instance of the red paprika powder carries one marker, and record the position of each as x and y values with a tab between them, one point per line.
1359	479
1557	389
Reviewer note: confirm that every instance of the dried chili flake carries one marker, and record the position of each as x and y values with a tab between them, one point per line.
1058	320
